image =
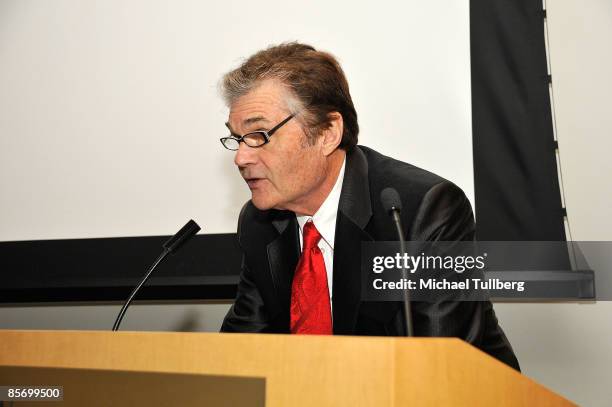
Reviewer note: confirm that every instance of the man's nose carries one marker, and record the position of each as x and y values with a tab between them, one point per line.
245	155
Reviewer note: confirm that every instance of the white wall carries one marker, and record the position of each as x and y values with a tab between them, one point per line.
110	118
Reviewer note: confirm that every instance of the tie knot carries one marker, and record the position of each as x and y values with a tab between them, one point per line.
311	235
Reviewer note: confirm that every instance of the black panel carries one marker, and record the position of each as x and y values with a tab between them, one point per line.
516	183
107	269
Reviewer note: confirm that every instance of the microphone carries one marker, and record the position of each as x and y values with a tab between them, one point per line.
182	236
170	246
392	204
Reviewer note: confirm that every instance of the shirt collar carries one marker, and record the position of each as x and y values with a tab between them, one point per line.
325	217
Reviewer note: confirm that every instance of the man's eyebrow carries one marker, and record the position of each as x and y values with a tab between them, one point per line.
255	119
249	121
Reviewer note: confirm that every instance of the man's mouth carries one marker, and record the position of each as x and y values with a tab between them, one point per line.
254	182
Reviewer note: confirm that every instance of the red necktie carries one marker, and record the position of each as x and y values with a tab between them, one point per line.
310	307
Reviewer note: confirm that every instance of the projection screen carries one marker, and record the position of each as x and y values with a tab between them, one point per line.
110	116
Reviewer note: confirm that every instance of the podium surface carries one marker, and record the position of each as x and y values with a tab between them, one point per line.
100	368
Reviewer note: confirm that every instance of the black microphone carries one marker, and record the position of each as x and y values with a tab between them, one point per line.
392	204
186	233
170	246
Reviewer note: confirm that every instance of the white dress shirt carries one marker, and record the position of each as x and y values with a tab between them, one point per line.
325	222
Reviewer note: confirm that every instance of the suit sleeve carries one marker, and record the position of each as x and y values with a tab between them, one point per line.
445	214
248	313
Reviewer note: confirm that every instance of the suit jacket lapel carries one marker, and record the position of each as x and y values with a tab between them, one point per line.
354	213
283	254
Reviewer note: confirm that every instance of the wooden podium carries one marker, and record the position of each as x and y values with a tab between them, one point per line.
99	368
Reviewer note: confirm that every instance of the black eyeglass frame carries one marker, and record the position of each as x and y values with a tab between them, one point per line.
266	135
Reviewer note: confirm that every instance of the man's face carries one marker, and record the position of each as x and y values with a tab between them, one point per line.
284	173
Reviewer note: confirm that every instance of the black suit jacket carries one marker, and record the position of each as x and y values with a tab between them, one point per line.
434	209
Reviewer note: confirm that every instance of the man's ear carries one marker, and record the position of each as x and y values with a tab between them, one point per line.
332	136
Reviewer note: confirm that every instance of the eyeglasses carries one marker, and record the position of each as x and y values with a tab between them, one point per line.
254	139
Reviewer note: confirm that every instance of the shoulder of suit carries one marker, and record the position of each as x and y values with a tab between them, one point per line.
384	171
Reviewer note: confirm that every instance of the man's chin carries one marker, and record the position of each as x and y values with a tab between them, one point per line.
262	204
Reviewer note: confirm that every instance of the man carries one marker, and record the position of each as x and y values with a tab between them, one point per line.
315	199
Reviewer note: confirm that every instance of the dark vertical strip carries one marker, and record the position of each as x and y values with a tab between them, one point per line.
515	170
